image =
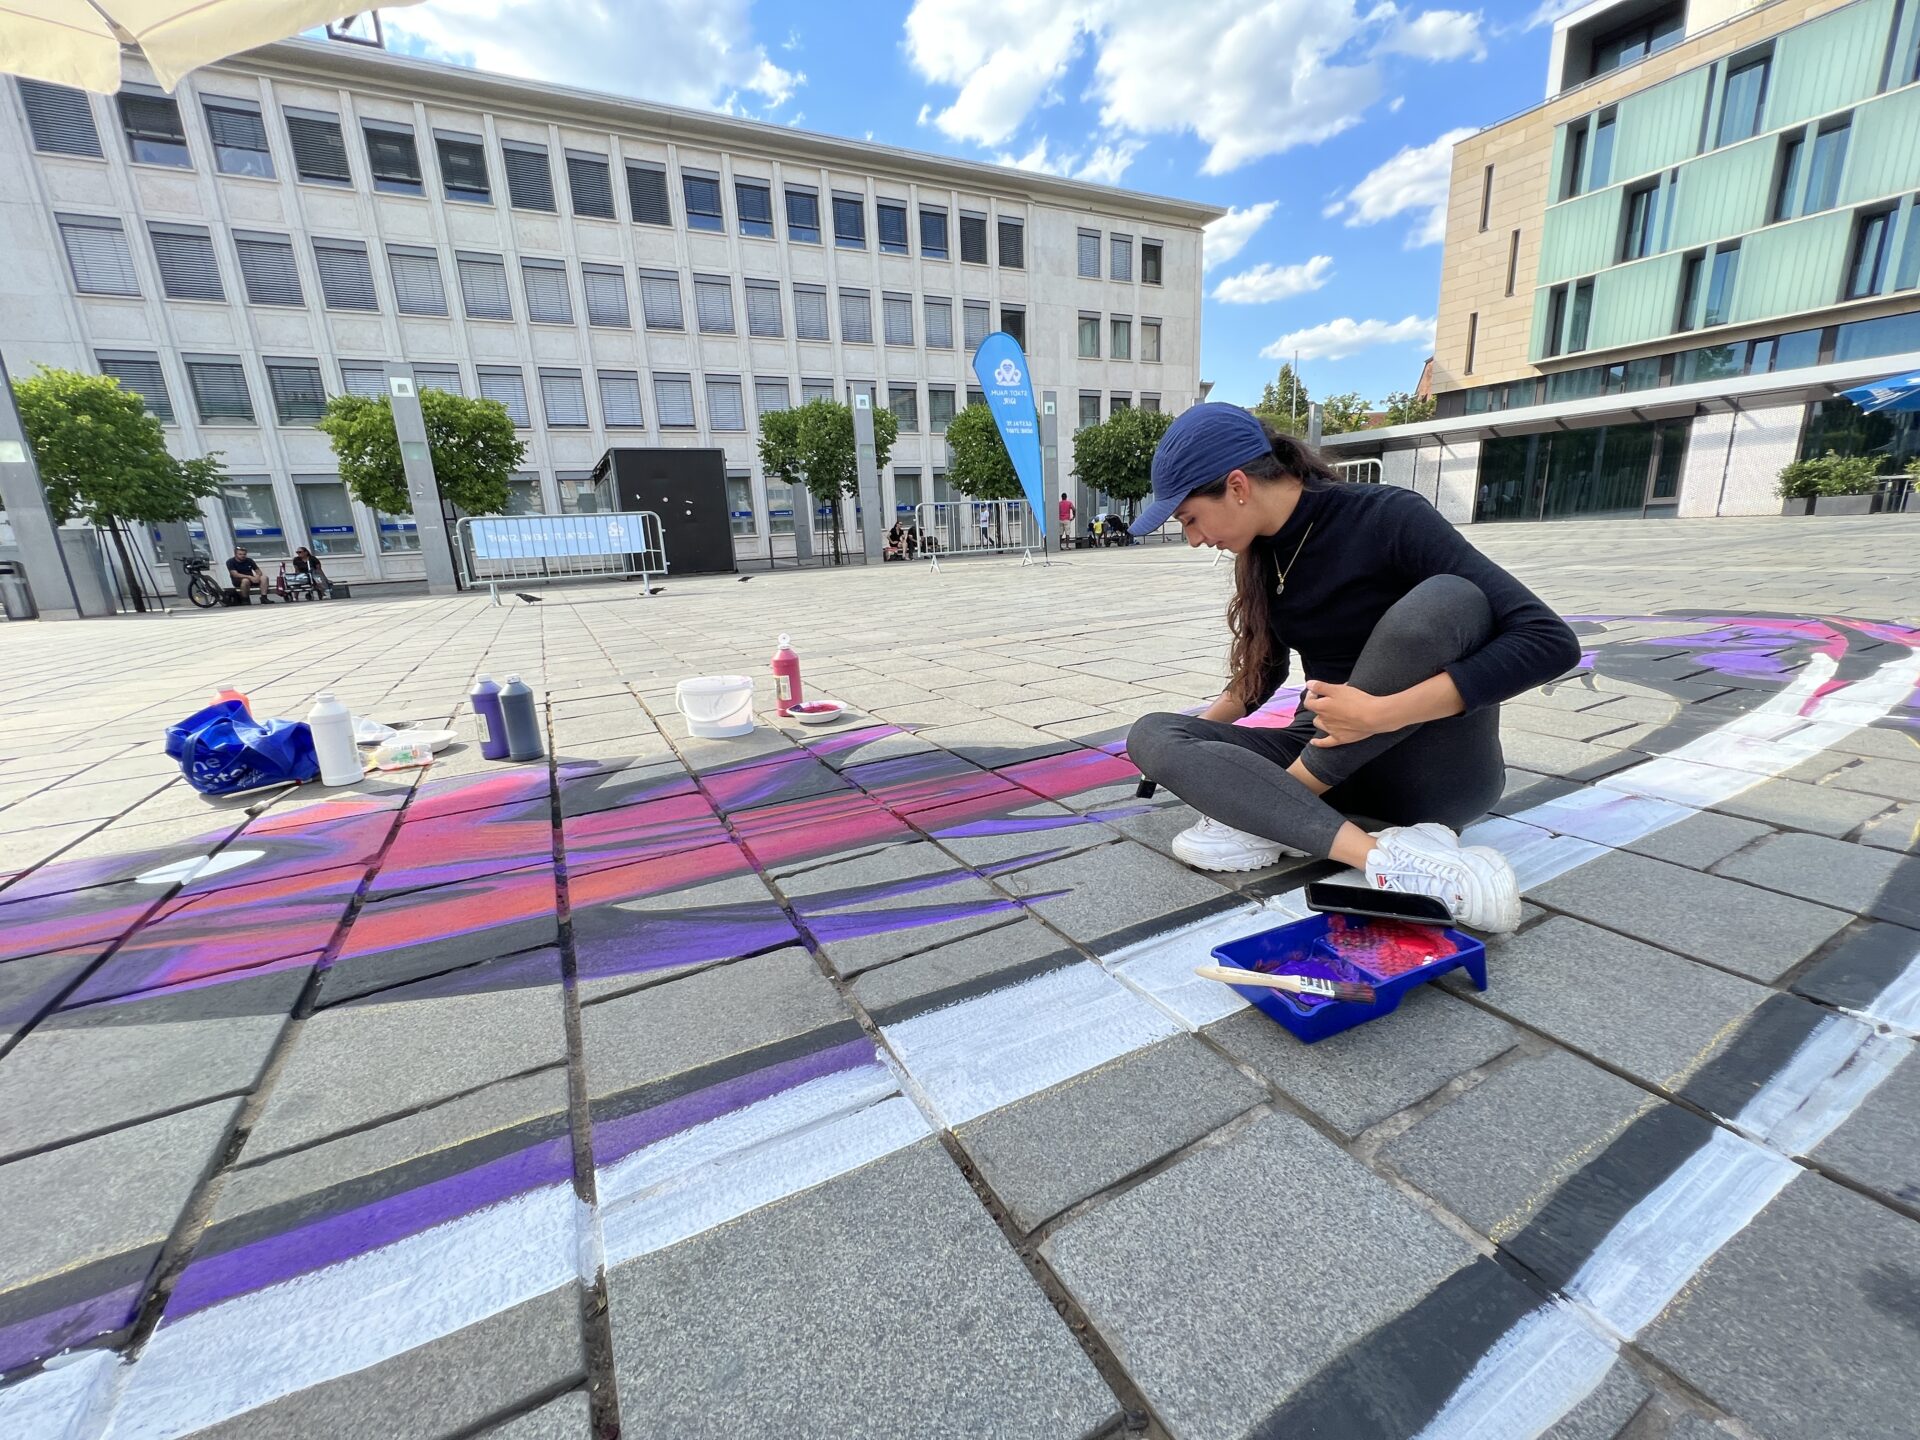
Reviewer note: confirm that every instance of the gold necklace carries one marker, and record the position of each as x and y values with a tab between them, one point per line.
1280	585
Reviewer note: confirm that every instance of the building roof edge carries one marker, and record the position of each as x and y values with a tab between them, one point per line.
302	60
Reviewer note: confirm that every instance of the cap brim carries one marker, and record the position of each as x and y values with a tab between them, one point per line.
1154	516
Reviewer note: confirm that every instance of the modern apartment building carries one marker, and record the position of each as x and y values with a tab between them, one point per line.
614	272
1656	282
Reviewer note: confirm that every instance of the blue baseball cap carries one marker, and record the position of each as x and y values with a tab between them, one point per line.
1204	444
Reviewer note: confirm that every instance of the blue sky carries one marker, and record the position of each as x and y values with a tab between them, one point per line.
1324	124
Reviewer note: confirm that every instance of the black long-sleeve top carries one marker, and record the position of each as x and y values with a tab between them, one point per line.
1350	551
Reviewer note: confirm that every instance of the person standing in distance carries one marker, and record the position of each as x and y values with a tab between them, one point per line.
1409	638
1066	520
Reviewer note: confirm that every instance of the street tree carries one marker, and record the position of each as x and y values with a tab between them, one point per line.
812	446
1116	457
1284	402
104	459
471	442
1344	412
1405	408
978	465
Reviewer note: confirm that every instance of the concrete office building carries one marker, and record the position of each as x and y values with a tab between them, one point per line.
1655	283
616	273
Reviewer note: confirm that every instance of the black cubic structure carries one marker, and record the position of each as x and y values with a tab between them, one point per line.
687	489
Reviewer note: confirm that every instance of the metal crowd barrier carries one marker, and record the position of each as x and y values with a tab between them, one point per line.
945	528
1360	472
515	550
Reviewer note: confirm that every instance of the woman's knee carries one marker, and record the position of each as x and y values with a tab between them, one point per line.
1445	610
1151	737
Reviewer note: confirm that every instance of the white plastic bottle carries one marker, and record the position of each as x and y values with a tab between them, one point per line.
332	727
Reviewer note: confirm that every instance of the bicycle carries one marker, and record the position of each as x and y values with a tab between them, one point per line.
200	589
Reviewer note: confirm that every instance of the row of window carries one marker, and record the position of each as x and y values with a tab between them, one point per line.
1707	278
298	393
1588	143
61	122
102	264
1799	349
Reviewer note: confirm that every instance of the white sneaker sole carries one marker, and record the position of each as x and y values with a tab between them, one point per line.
1225	864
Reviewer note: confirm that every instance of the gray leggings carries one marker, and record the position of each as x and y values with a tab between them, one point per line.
1447	770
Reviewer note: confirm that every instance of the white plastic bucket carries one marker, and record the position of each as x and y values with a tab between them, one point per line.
716	706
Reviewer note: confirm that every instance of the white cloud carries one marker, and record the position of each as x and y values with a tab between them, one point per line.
1228	236
1265	283
1413	179
1551	10
1340	338
926	114
1103	165
1438	35
1250	78
699	53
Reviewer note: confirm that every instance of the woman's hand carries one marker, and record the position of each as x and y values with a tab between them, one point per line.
1344	713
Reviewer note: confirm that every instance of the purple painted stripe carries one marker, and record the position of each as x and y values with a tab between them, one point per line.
1013	825
856	924
355	1232
663	940
615	1139
26	1341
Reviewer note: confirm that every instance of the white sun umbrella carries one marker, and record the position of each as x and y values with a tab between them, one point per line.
77	42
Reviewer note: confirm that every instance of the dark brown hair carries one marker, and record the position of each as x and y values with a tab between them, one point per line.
1255	656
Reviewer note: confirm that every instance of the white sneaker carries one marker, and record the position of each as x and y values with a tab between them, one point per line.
1210	845
1475	882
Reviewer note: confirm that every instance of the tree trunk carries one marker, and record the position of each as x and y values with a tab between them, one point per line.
134	591
839	557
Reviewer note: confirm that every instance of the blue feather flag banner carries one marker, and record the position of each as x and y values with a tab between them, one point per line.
1001	368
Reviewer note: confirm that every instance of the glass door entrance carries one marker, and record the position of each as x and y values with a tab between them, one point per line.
1609	472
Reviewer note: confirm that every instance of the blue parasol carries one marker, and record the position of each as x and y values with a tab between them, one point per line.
1895	393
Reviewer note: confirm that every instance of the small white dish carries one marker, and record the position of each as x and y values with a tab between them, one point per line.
438	739
817	712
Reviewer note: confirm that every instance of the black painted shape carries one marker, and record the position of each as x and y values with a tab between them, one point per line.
1855	972
658	1092
979	985
1117	940
1564	1233
1755	1053
271	994
611	789
1391	1382
383	969
367	1189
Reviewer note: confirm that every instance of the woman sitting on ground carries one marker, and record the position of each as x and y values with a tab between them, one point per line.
1410	639
896	547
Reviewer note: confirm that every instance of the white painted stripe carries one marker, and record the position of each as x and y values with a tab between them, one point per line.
1000	1047
66	1401
1519	1387
1161	967
1899	1004
249	1351
1836	1067
726	1185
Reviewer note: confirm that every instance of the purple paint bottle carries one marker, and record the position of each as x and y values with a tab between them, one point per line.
485	697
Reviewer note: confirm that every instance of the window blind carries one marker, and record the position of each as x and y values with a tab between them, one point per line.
939	322
660	300
725	409
220	392
299	397
267	269
896	315
809	312
763	308
483	286
508	386
346	278
417	289
564	397
606	287
673	399
647	194
590	182
529	178
548	302
60	119
856	318
620	399
713	305
140	374
319	152
97	251
184	254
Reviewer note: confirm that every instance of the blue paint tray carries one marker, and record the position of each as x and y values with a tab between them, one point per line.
1315	946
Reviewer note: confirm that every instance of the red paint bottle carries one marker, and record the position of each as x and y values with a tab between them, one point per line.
786	677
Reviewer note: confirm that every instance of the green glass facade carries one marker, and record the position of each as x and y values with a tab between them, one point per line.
1775	182
1602	472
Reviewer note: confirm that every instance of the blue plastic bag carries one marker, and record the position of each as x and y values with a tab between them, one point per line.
222	749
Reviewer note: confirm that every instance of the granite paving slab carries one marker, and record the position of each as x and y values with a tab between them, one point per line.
99	1067
81	1226
995	742
1795	805
1050	1151
1494	1154
1898	829
893	902
590	792
1856	972
1699	841
1098	893
1804	1324
1756	932
1176	1272
435	1391
1878	1146
959	970
565	1418
634	923
1650	1013
893	1295
1871	882
29	987
1361	1076
387	1053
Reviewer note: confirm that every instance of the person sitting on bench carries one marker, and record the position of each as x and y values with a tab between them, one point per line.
306	563
244	575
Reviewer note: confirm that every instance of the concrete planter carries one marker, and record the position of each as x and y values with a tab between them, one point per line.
1799	505
1843	505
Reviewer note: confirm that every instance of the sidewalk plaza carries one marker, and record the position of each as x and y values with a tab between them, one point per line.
854	1081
